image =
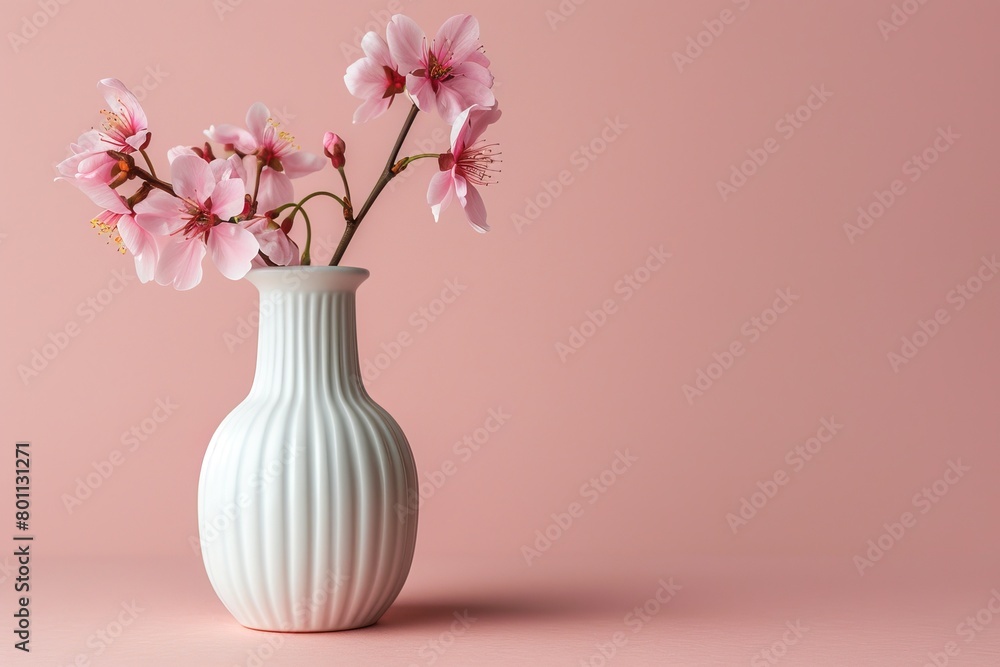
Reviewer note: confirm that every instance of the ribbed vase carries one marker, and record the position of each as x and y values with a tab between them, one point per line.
305	502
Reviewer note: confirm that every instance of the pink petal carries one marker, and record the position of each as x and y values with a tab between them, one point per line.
192	178
96	166
173	153
420	91
460	131
406	42
461	188
474	71
470	125
257	117
228	198
475	209
102	195
461	93
377	49
159	213
142	245
301	163
180	264
232	248
365	79
275	189
481	118
273	242
457	37
479	58
230	134
371	108
138	140
440	192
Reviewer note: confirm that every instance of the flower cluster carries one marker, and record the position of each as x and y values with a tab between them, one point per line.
232	198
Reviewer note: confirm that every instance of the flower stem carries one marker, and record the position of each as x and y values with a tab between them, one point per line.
401	165
256	188
348	211
305	261
388	173
149	163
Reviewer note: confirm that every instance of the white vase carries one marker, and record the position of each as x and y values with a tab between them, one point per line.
305	505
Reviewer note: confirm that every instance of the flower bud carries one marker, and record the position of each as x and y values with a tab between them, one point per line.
333	148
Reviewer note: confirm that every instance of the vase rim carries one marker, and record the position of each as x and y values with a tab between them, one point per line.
333	269
308	278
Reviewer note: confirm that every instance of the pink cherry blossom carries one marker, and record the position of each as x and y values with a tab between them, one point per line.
374	78
469	163
118	221
197	221
124	130
125	127
452	74
275	151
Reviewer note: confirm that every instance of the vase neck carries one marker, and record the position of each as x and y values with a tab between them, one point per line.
308	329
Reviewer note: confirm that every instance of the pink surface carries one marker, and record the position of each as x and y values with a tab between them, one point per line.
786	318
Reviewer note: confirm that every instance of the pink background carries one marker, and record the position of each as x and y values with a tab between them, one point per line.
675	132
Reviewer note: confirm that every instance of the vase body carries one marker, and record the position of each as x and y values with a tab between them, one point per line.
305	505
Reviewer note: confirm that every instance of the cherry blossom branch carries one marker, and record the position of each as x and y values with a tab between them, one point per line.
128	168
388	173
